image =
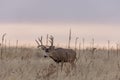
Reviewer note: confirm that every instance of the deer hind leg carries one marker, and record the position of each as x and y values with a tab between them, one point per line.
57	69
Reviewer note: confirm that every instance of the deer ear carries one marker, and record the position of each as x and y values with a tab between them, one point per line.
39	46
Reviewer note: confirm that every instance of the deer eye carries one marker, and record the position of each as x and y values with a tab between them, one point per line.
47	50
45	56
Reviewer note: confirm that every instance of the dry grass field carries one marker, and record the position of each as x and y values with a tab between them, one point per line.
29	64
59	40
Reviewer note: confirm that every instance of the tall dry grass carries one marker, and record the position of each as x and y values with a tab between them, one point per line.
29	64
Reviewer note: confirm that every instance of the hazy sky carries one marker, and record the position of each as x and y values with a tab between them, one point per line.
25	20
101	11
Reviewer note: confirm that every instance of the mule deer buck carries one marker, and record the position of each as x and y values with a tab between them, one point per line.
59	55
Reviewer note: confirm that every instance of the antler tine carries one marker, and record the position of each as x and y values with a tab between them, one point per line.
37	42
51	37
40	40
51	40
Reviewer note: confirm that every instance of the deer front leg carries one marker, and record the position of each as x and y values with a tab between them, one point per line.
62	65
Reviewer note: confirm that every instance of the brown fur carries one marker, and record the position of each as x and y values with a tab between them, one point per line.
61	55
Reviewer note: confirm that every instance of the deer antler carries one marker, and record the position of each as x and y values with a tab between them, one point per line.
39	42
51	40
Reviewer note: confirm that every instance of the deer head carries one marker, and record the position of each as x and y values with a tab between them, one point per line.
47	49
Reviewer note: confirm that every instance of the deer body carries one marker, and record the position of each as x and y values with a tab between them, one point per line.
59	55
62	55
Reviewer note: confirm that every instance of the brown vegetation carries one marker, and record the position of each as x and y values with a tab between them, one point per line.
29	64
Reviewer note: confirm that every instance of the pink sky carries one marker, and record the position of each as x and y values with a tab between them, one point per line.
26	33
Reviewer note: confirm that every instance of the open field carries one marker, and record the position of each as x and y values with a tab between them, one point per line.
59	40
29	64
